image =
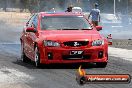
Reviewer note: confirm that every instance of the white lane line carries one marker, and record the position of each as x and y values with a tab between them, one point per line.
121	53
10	75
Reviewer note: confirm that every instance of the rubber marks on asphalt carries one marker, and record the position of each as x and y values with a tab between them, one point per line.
16	85
121	53
10	75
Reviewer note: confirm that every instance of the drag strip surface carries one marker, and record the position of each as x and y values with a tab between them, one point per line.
14	73
122	53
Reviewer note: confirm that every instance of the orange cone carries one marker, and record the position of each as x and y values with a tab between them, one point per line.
109	39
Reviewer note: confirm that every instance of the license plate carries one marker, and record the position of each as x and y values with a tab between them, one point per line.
76	52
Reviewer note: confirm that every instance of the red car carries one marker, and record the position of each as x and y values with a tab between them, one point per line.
62	38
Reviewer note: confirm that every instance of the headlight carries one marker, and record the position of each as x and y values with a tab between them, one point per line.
51	43
98	43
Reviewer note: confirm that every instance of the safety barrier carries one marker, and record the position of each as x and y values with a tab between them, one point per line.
122	42
14	18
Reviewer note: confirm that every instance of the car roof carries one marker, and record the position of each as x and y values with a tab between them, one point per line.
60	14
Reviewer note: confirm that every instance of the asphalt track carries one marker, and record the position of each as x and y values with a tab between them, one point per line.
16	74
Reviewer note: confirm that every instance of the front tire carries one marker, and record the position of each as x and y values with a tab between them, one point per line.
101	64
37	58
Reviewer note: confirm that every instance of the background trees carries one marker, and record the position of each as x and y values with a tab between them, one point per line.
106	6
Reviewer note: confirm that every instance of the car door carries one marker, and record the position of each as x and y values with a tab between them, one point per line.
27	37
32	36
25	34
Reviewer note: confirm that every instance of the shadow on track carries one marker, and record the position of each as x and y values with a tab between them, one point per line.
31	65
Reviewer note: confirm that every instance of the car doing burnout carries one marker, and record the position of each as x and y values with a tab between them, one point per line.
66	37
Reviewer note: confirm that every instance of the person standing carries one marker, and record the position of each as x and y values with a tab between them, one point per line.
69	8
95	14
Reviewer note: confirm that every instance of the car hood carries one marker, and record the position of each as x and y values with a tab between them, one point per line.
69	35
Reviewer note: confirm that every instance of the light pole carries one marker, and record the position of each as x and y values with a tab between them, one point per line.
114	6
127	7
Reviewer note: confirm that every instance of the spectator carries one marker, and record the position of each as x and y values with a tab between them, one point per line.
69	9
95	14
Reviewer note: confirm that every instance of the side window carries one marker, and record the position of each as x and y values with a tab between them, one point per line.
29	21
35	21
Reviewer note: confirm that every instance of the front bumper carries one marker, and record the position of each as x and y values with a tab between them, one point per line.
49	55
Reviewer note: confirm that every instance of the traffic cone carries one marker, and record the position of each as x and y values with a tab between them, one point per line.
109	39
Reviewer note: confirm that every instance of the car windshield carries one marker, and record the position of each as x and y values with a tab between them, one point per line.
64	23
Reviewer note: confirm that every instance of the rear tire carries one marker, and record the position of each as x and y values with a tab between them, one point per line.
24	58
101	64
37	58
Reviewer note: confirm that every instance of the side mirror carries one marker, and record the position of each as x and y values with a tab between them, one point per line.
98	28
31	29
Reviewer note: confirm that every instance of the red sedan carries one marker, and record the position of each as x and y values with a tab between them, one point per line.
62	38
